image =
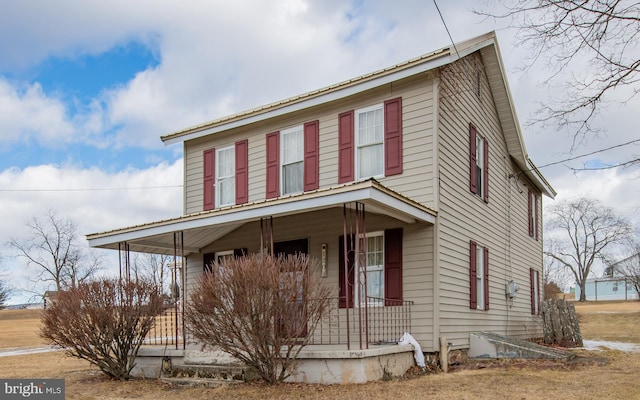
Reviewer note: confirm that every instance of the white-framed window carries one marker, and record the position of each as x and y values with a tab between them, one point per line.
292	164
535	292
369	137
373	274
615	286
225	176
222	256
480	276
533	215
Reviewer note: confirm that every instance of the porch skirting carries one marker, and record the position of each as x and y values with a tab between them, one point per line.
324	364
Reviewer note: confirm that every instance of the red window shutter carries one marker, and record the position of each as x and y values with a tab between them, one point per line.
393	137
242	172
345	147
485	253
539	291
273	165
311	156
532	288
530	213
345	293
209	179
535	220
473	278
473	178
393	266
485	170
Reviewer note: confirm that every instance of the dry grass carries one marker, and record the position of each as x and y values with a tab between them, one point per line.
615	321
20	328
588	379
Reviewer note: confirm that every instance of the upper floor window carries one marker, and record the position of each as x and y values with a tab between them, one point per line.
225	176
292	156
479	164
533	215
370	142
293	160
479	276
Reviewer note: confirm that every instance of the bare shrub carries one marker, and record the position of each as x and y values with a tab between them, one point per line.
259	309
103	321
551	290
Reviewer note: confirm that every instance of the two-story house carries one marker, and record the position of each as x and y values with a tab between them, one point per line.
413	187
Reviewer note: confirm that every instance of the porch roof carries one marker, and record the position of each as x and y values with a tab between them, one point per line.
202	228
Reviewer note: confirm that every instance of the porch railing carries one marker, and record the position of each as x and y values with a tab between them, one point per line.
379	321
168	329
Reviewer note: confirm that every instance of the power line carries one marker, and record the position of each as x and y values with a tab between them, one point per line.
624	164
446	28
592	153
93	189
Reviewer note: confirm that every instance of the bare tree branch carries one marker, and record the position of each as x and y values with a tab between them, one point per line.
54	252
563	34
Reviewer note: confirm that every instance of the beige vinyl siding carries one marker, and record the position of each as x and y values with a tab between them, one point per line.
500	225
415	182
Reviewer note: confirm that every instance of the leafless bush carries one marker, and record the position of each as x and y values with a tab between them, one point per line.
259	309
104	322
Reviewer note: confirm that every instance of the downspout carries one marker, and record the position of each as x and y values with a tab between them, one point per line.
435	154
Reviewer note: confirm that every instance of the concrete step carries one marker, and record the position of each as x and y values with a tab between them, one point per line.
215	372
198	382
491	345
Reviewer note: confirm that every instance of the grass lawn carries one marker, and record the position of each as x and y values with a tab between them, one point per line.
597	375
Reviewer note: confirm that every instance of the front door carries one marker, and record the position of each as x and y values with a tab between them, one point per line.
295	308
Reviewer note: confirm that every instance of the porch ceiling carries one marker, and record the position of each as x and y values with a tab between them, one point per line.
203	228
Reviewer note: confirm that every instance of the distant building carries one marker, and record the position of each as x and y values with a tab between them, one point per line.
49	296
608	288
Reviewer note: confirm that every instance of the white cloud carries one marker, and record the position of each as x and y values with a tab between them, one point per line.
27	113
94	209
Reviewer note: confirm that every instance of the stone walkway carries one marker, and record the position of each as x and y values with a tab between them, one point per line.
33	350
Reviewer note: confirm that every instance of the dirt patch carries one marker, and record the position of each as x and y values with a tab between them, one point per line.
531	364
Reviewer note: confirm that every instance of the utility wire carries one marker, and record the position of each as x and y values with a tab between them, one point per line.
446	28
592	153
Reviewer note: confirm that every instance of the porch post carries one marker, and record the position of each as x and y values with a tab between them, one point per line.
363	268
123	247
346	273
178	250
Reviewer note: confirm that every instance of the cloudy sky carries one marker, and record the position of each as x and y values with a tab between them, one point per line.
87	89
